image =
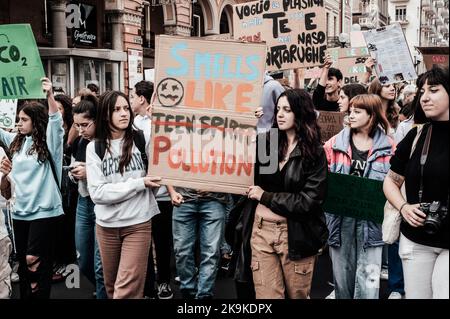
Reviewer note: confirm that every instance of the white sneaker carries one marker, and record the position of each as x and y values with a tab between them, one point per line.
384	275
331	295
395	295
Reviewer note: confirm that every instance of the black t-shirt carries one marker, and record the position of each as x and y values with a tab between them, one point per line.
359	161
435	179
321	103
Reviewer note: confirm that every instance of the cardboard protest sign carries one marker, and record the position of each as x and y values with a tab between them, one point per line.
205	74
351	62
204	129
20	64
356	197
197	149
8	109
393	59
313	73
330	124
294	30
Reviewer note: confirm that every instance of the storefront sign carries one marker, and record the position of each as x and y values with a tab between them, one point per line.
135	67
81	20
8	109
294	31
204	130
20	64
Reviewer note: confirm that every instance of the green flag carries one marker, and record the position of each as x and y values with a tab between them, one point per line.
356	197
20	64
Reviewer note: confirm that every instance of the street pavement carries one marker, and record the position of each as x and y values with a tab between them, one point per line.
224	288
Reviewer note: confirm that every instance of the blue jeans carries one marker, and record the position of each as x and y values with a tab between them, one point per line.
203	220
356	269
89	259
395	281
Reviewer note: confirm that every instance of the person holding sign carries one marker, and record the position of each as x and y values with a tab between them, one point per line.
289	227
363	149
37	151
121	191
424	230
326	94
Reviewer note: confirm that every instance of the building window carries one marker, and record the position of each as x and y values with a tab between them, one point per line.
400	13
334	26
328	17
224	27
198	22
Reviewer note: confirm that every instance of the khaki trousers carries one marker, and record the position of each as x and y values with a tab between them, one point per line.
124	253
274	275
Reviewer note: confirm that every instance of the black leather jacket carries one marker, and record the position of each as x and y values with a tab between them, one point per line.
305	186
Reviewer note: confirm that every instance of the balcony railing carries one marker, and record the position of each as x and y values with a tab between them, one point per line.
403	20
366	23
443	12
439	4
426	4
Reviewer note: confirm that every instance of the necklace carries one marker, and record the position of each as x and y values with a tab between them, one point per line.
289	151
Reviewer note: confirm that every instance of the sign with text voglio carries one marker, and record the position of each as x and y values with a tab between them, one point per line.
294	31
81	20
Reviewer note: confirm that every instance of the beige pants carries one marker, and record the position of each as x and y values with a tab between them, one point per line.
273	273
124	253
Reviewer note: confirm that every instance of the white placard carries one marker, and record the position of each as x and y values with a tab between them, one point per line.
8	110
393	59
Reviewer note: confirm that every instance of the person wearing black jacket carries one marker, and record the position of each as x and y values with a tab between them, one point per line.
288	229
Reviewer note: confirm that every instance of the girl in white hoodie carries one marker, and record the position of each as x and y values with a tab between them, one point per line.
124	203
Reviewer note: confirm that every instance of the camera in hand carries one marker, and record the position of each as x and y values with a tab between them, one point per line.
436	212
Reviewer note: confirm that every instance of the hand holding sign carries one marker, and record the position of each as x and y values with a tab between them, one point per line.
370	63
47	87
328	61
5	166
149	181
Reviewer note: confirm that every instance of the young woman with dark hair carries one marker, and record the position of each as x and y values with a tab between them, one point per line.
37	151
387	94
124	202
89	260
363	149
424	237
289	227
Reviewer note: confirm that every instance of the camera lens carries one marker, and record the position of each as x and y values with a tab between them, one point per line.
432	224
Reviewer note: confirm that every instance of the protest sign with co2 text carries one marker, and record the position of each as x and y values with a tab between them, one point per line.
20	64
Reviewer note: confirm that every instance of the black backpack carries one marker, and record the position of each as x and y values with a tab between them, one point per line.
139	141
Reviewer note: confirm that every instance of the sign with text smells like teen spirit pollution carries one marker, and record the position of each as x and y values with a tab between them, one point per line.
20	64
204	130
294	30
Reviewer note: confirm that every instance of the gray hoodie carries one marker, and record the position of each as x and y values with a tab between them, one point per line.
271	91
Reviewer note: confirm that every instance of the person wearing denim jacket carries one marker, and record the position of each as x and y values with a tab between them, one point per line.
356	245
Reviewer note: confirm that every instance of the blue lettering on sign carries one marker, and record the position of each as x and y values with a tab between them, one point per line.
183	69
251	62
205	60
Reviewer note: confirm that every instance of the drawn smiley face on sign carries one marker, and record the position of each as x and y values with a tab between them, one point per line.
170	92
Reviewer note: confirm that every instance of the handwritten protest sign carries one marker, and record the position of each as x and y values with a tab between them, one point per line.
356	197
203	150
389	47
204	130
8	109
350	61
20	64
294	30
330	124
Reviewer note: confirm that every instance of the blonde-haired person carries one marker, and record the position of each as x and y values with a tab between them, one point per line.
363	149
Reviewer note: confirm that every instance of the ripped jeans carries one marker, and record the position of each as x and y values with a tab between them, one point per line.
35	241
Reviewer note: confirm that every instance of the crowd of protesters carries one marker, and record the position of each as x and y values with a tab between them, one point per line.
77	187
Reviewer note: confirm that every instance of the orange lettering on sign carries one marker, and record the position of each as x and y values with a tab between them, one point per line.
162	144
241	99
